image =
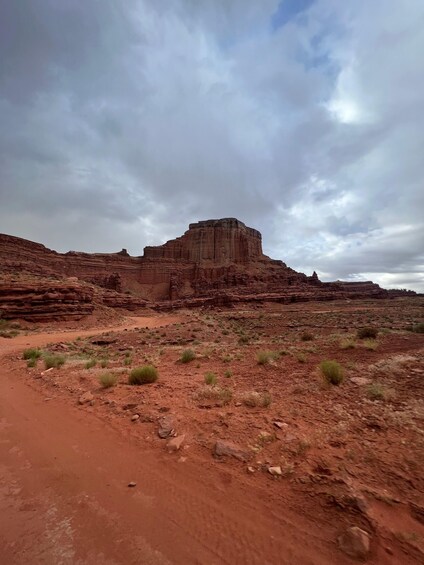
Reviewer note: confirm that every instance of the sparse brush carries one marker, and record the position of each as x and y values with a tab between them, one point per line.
213	396
143	375
127	361
210	378
347	344
378	391
228	374
264	357
367	333
371	344
307	336
32	362
256	399
332	372
108	380
32	354
301	357
187	356
418	328
243	340
90	364
104	363
54	361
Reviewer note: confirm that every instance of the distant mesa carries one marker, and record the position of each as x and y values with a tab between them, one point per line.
214	263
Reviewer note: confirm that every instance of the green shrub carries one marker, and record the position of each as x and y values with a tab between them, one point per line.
347	344
371	344
187	356
53	361
91	363
127	361
418	328
210	378
32	362
332	372
301	357
108	380
367	333
143	375
378	391
104	363
31	354
228	374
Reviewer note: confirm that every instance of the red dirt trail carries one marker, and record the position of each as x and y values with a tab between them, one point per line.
64	497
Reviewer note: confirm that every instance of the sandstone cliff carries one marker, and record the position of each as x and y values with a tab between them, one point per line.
215	262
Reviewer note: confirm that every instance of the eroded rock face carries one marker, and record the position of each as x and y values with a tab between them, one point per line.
215	263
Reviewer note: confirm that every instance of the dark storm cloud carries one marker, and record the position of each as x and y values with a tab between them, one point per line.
123	122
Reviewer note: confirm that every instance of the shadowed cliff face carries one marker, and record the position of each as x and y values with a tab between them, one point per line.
222	242
214	262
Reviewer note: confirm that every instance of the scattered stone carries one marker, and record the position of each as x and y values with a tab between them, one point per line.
226	448
355	542
103	341
175	443
275	471
281	425
132	484
135	417
86	398
47	370
250	469
166	427
237	404
129	406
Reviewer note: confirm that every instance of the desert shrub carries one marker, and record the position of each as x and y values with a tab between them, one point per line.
213	396
264	357
210	378
9	333
371	344
32	362
32	354
367	333
127	361
228	374
104	363
90	364
347	344
378	391
307	336
108	380
301	357
418	328
53	361
187	356
253	399
332	372
243	340
143	375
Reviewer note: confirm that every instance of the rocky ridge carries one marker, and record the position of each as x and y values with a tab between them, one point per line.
214	263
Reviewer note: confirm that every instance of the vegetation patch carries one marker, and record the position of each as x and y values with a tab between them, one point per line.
108	380
187	356
52	361
332	372
210	378
367	333
143	375
255	399
208	396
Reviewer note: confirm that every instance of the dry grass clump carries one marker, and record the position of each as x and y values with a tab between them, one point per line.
143	375
108	380
347	344
307	336
332	372
378	391
367	333
210	378
255	399
90	364
371	344
213	396
53	361
187	356
265	357
418	328
31	354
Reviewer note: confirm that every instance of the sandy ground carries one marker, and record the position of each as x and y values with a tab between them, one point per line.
65	469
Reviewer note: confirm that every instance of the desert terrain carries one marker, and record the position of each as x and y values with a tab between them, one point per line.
241	452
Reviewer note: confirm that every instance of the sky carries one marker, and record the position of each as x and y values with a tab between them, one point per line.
122	122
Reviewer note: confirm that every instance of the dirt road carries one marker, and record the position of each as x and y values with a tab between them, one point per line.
64	495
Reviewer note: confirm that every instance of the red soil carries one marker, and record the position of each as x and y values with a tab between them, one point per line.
346	460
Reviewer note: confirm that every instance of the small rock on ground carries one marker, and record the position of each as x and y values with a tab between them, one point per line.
355	542
275	471
223	448
175	443
132	484
86	398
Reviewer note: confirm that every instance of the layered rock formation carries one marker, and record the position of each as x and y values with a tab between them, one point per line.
216	262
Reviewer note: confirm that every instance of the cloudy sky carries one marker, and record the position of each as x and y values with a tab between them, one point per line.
122	122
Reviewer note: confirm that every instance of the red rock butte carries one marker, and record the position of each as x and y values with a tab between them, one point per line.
215	263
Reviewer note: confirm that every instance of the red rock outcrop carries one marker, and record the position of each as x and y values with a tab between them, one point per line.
215	262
